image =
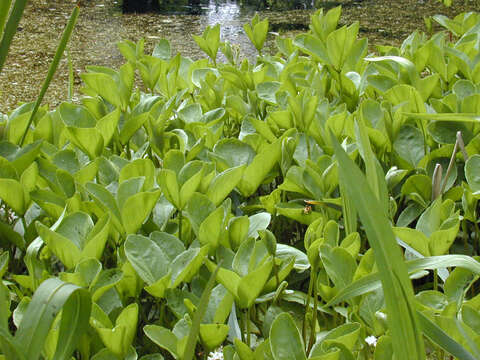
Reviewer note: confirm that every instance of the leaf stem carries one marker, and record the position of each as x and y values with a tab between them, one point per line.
180	220
307	306
313	326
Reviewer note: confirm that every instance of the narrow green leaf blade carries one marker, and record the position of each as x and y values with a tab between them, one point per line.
197	318
51	297
442	339
397	287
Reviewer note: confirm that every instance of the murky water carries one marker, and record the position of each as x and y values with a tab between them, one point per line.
102	24
201	7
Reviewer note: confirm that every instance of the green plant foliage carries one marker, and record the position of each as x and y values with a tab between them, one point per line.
319	202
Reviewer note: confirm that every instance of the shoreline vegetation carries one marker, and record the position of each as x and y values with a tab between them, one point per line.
320	202
101	25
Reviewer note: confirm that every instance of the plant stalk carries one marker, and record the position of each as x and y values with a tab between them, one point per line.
53	67
307	306
312	338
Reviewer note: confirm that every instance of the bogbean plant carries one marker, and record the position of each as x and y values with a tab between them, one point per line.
288	208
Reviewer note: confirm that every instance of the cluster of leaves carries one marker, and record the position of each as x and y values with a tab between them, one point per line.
220	205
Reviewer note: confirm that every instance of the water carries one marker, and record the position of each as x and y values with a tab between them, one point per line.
204	7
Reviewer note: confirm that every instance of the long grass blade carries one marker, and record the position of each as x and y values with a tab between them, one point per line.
371	282
457	117
11	27
349	211
199	314
398	290
442	339
8	345
4	11
51	297
75	315
53	67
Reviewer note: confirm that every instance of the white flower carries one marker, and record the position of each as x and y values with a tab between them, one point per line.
371	340
216	355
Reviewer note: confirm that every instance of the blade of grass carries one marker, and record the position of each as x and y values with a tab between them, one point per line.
398	290
53	67
373	172
442	339
371	282
8	345
199	314
349	211
70	75
51	297
4	11
11	27
460	117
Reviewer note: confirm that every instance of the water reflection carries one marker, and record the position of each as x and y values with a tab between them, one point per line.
230	15
202	7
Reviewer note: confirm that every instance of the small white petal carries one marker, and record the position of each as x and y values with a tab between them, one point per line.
371	340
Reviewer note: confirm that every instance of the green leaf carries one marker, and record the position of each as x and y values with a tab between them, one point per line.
257	32
162	50
212	228
238	230
163	338
313	46
396	285
213	335
224	183
285	340
414	238
8	31
346	334
441	338
339	264
189	187
209	42
108	124
198	316
404	64
52	296
137	208
191	114
53	66
76	238
20	157
89	140
186	265
339	43
409	145
146	257
451	117
241	261
371	282
167	179
131	125
472	173
258	222
251	285
11	192
226	277
119	339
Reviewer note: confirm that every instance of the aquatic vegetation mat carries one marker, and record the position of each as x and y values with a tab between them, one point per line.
316	202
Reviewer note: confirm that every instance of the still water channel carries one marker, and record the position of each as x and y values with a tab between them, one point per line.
102	23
